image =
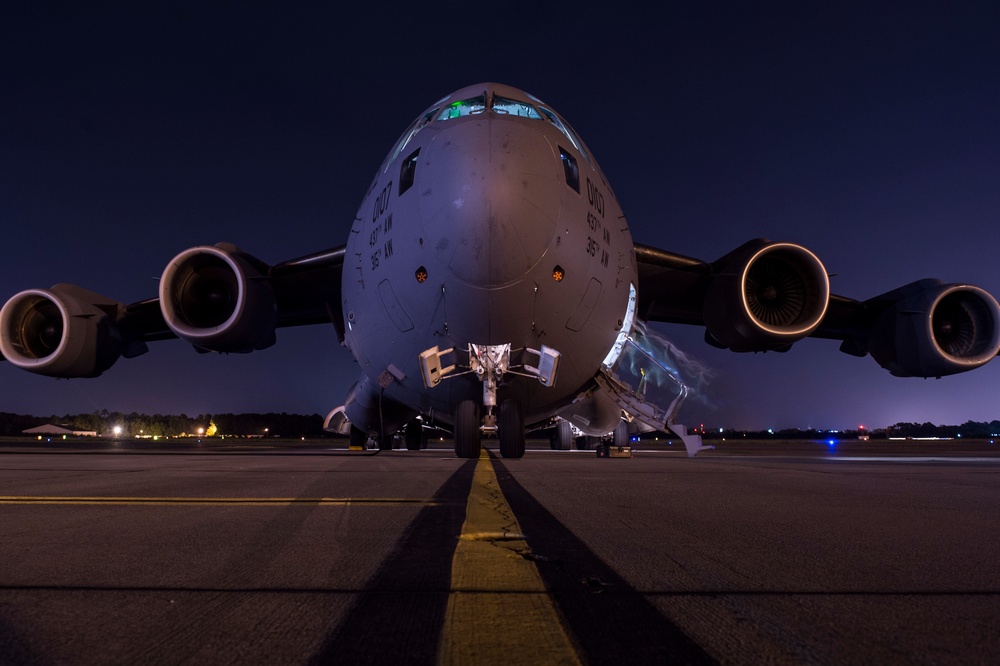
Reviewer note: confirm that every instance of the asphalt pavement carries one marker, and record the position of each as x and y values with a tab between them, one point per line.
801	552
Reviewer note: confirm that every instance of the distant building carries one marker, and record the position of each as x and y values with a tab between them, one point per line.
50	429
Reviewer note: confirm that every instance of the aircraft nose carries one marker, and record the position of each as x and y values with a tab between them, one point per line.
494	198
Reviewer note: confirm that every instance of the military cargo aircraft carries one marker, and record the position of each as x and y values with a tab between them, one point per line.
490	286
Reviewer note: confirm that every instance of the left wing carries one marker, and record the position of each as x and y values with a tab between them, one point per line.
765	296
218	298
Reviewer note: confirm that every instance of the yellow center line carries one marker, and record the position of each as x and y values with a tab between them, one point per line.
218	501
484	621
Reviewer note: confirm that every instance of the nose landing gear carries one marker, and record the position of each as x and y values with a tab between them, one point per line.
510	428
490	363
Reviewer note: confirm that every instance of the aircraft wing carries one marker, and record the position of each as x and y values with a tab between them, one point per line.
218	298
765	296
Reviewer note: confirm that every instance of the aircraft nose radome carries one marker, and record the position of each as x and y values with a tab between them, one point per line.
491	209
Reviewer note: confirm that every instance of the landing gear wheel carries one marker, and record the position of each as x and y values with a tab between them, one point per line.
511	429
414	436
561	437
467	424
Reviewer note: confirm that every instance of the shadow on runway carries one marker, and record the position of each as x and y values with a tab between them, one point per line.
611	621
399	616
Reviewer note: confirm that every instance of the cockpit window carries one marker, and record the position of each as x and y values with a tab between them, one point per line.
408	135
463	107
513	107
554	119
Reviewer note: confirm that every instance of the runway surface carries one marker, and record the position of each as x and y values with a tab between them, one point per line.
751	553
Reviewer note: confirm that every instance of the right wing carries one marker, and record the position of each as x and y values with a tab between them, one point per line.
765	296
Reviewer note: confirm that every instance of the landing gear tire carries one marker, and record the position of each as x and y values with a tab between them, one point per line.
561	437
511	429
467	423
414	436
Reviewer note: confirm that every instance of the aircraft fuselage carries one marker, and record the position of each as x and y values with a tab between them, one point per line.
488	224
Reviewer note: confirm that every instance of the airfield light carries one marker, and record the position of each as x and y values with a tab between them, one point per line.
201	431
117	430
558	273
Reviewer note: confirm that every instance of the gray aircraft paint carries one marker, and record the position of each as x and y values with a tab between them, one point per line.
489	216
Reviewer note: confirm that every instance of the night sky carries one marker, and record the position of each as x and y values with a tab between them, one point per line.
868	132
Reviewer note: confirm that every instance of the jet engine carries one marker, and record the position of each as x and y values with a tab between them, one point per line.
765	296
65	331
932	329
219	299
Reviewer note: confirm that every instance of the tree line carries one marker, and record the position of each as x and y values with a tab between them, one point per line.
134	424
104	423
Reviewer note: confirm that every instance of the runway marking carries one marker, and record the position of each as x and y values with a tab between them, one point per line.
498	607
219	501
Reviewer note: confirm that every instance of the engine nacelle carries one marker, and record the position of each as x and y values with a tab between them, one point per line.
765	296
932	329
218	299
65	331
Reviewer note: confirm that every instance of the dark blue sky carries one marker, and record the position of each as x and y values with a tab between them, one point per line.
865	131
